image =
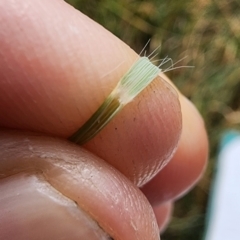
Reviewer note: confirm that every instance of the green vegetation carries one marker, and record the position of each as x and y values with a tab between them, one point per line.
208	32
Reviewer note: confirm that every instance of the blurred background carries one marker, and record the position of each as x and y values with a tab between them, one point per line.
208	33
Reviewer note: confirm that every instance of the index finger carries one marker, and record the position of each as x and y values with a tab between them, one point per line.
57	66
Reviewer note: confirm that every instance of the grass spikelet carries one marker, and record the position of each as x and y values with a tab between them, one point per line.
141	74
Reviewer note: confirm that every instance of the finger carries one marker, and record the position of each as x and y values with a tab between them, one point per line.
37	218
57	66
188	163
163	213
47	182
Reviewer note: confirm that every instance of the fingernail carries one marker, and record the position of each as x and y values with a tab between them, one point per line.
30	208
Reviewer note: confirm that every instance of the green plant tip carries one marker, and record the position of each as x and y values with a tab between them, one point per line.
139	76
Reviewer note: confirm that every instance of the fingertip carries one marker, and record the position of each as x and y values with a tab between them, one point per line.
140	140
163	213
188	163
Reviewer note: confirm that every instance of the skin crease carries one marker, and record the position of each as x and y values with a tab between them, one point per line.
47	85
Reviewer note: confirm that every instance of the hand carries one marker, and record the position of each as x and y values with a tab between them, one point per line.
56	67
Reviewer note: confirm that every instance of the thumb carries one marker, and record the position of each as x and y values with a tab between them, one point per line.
46	182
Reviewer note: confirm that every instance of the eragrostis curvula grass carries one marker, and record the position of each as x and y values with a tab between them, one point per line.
138	77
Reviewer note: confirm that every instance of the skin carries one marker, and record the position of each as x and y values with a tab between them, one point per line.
56	67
